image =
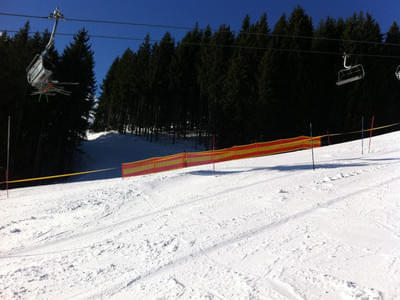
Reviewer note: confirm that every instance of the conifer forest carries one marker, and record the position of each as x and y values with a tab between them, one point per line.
260	83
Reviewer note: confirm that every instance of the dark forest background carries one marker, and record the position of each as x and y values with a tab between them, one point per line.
254	85
257	84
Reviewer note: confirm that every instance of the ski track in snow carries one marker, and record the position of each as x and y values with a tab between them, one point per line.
263	228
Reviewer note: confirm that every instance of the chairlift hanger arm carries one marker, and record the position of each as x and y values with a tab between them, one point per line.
56	15
345	57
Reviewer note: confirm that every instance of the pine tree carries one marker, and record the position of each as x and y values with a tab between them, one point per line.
217	60
240	90
76	65
105	111
161	94
272	85
124	90
186	89
203	80
142	75
298	81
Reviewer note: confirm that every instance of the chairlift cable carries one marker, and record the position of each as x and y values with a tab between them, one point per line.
214	30
227	46
103	21
129	23
23	16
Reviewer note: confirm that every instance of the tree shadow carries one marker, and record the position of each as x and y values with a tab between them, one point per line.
281	168
381	159
371	159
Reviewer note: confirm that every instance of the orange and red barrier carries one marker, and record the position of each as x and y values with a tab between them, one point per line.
183	160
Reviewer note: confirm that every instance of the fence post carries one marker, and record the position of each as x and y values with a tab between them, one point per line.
362	135
213	149
8	152
370	133
329	137
312	147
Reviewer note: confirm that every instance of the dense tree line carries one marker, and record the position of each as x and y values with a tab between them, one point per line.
257	84
45	132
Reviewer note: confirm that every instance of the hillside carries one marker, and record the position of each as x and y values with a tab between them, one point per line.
263	228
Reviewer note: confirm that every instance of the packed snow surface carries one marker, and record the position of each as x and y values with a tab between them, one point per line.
262	228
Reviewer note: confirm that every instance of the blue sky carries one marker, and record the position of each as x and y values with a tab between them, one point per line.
174	12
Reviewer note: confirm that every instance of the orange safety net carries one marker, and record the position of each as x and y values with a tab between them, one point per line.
183	160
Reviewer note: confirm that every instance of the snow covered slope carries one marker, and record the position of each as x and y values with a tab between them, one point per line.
264	228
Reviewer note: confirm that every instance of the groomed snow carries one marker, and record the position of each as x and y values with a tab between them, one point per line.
263	228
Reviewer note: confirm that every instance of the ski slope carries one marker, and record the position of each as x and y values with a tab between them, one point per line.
262	228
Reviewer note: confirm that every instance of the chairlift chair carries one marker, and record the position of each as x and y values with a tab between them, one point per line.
349	73
38	72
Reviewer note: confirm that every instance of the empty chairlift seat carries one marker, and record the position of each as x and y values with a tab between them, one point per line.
350	73
37	74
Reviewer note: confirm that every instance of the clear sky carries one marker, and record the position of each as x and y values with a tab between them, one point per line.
174	12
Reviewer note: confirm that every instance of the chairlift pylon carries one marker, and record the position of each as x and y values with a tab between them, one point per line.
38	72
349	73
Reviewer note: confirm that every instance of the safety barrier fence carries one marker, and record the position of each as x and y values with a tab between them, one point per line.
360	131
190	159
181	160
56	176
